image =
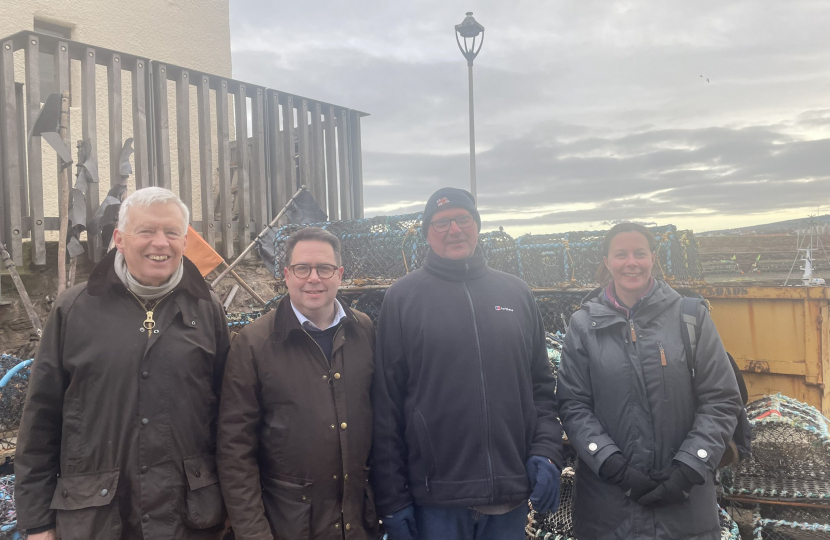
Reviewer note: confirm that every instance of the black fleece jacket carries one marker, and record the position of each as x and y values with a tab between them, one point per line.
462	392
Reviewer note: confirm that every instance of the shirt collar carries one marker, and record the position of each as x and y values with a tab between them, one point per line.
339	315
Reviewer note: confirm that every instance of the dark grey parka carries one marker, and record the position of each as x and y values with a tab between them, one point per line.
616	396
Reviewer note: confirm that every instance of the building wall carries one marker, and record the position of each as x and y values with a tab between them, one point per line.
194	34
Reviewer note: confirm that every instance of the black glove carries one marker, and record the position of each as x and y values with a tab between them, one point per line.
675	484
615	470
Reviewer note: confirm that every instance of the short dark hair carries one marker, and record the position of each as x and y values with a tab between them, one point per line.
603	276
313	234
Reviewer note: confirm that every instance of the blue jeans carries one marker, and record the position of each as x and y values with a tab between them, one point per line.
441	523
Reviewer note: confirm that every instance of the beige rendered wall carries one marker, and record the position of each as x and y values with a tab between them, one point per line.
194	34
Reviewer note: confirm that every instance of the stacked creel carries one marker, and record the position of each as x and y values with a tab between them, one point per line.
571	259
787	479
381	249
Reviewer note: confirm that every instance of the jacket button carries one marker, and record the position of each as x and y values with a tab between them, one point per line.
145	518
304	498
192	323
702	454
325	377
198	473
104	492
348	527
345	477
64	494
593	324
336	525
336	375
592	447
144	469
334	477
145	374
343	425
145	421
332	426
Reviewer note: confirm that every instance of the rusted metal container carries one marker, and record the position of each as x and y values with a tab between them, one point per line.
780	338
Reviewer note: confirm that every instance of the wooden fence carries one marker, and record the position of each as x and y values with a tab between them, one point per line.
293	141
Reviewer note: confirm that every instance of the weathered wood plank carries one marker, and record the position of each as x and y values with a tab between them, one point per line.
243	197
9	136
89	128
318	168
357	163
205	159
140	136
304	144
32	60
289	150
331	165
277	165
224	147
344	155
64	176
259	191
183	138
116	119
162	126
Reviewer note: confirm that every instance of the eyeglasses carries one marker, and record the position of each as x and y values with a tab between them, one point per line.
324	271
443	225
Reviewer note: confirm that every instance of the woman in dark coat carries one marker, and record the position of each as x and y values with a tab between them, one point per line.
649	431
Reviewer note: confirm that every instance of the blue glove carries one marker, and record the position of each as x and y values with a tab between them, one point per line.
544	481
401	524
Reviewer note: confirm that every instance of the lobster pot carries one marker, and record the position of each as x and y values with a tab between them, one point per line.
776	522
557	525
14	373
790	453
572	259
373	249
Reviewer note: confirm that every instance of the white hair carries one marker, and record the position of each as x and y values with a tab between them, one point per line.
151	196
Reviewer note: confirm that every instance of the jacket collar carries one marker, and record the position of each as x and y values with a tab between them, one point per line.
103	277
286	321
605	315
472	267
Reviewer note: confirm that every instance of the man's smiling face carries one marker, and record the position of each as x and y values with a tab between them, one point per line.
153	242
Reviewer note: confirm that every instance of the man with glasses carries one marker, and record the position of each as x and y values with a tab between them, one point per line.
465	412
295	421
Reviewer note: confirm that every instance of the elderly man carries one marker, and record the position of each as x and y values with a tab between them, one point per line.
117	439
465	410
295	423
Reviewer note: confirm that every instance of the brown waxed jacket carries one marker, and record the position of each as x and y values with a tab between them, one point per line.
295	432
117	438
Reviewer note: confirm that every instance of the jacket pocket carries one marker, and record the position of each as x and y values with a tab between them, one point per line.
85	508
424	446
288	508
370	513
204	507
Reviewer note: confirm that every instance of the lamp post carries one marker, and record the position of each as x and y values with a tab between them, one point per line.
469	29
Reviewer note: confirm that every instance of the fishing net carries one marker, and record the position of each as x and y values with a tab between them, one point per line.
556	308
8	515
772	522
554	344
12	397
557	525
790	453
572	259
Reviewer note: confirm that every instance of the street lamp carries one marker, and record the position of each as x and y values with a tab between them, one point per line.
470	29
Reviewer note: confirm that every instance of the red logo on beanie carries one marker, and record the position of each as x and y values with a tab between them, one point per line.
442	201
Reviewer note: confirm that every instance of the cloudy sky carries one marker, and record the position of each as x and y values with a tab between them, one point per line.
587	111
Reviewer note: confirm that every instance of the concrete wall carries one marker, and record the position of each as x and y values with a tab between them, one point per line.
190	33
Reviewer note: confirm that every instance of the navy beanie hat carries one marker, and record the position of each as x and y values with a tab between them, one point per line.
449	198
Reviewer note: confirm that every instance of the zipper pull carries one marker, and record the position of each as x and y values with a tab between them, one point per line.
149	323
662	354
466	265
633	333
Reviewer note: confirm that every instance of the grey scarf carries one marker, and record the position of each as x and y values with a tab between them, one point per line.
145	292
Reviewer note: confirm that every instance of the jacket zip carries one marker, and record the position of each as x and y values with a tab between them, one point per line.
331	386
483	389
149	312
633	333
663	364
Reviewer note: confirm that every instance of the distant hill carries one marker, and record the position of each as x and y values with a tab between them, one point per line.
779	227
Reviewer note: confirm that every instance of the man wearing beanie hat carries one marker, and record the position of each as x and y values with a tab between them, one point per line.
465	412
